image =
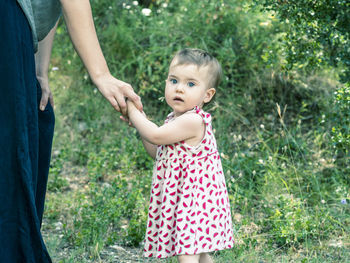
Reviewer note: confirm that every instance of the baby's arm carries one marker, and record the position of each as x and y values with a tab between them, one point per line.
185	127
150	148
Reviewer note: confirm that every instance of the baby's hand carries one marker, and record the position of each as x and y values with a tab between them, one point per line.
130	107
123	118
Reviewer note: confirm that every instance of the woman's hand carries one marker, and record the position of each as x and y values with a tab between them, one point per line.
116	92
46	94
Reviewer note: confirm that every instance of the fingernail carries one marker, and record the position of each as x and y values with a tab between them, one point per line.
42	107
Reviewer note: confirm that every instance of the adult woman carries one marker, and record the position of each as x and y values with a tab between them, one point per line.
25	131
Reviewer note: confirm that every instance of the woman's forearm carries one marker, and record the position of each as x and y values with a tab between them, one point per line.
42	57
81	28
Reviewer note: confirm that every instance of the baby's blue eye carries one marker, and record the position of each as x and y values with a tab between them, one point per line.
190	84
173	81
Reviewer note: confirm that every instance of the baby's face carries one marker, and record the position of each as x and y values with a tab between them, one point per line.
187	86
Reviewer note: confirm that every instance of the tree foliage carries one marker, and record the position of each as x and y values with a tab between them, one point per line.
318	32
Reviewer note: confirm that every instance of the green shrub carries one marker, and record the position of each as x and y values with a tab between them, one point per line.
291	223
341	120
316	33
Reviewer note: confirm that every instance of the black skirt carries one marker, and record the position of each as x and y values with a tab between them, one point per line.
25	142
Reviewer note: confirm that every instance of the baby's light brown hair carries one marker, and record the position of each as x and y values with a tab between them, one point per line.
201	58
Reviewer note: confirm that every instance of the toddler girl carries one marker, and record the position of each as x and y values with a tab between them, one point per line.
189	212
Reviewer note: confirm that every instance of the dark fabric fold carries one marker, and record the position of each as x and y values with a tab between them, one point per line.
25	143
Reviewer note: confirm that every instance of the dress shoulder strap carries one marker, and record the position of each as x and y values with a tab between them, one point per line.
169	117
205	115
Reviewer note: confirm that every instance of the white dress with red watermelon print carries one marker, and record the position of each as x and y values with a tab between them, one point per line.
189	210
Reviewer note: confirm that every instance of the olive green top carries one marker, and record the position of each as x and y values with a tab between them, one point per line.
42	15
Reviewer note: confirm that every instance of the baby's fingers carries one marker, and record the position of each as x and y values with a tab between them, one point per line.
123	118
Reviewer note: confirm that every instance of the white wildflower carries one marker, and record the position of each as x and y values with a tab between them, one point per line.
264	23
224	156
146	11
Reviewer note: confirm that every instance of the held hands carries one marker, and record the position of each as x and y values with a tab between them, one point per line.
116	92
131	107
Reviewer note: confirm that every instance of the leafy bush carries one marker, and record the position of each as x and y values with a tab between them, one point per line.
103	212
341	120
291	223
317	32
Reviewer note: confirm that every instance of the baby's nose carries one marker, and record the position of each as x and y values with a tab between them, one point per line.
179	87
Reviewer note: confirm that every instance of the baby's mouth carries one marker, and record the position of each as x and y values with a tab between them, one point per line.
178	99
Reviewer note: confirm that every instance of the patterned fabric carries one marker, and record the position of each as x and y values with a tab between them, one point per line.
189	210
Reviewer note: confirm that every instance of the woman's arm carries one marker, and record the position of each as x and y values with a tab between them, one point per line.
187	126
81	28
42	62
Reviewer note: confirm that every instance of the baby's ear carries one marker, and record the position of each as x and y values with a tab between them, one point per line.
209	94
